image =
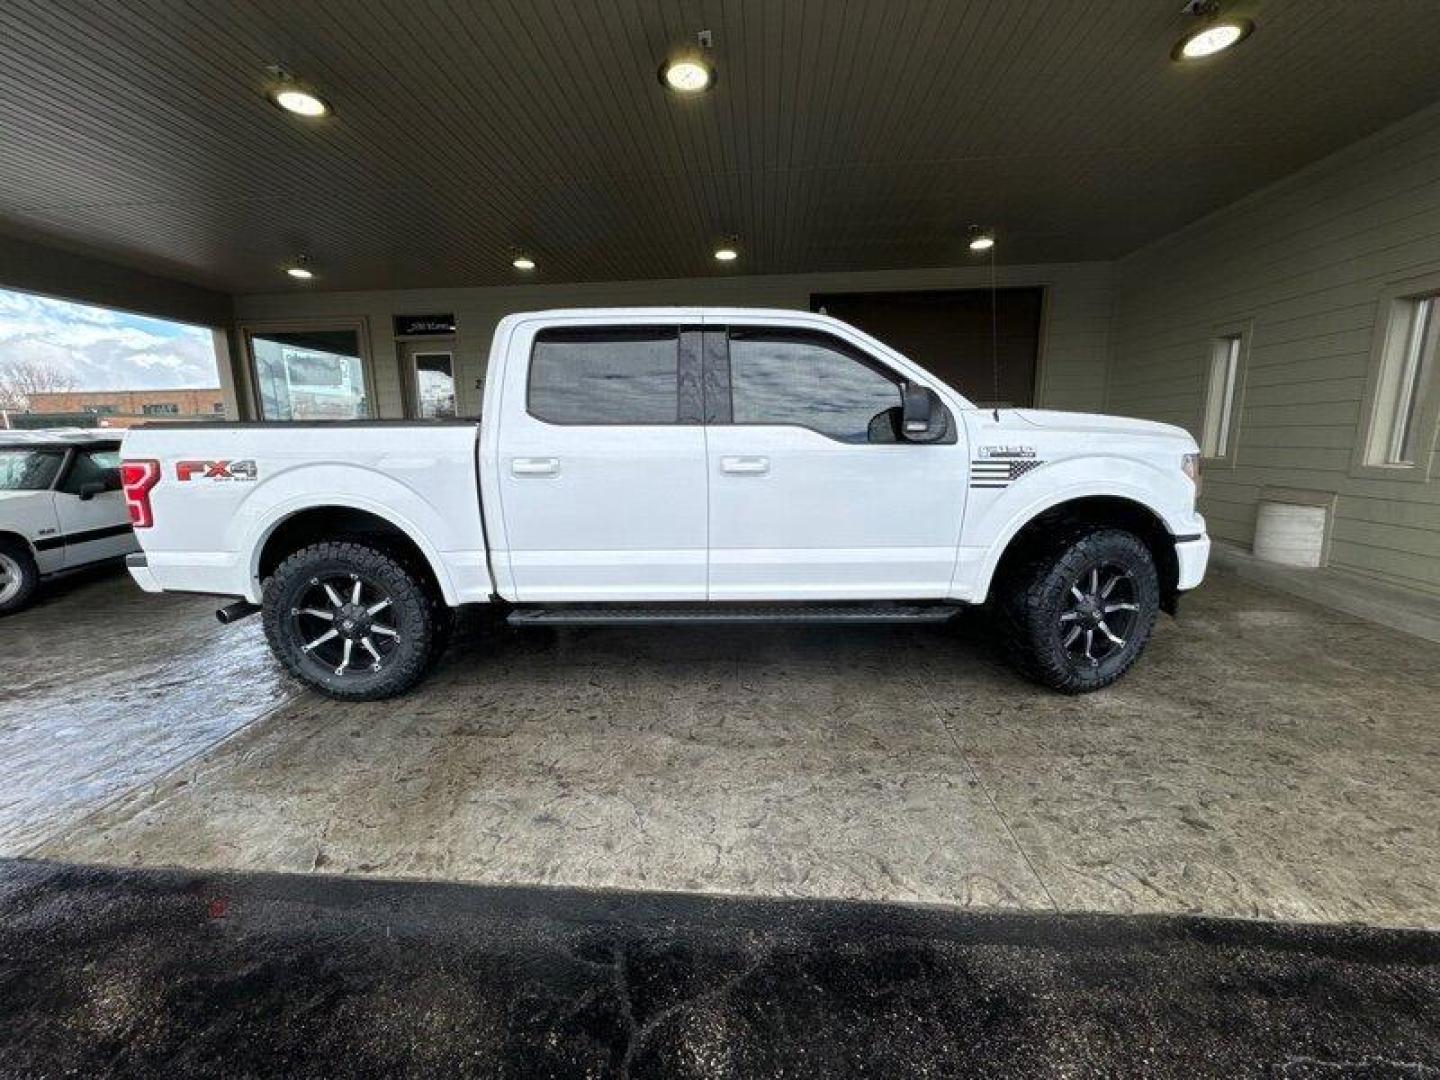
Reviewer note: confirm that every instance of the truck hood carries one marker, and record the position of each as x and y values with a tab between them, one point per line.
1098	423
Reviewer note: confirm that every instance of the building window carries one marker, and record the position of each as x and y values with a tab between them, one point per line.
1400	435
310	374
1225	354
161	408
218	408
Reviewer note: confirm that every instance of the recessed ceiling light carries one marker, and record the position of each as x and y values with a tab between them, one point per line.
300	273
726	253
688	76
1212	38
523	262
300	102
982	242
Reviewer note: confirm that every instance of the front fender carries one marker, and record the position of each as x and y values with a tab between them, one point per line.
994	517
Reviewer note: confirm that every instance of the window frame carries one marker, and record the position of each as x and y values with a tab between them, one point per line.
71	454
1373	431
1229	424
717	351
361	325
63	480
688	412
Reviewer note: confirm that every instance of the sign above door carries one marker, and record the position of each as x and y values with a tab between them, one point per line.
441	325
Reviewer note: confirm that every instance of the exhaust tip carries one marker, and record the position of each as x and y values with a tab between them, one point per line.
232	613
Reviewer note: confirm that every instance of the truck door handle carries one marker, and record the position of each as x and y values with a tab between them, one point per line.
745	466
534	466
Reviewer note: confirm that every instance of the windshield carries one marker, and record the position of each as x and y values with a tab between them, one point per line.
28	470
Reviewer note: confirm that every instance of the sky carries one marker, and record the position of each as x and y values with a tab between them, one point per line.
103	349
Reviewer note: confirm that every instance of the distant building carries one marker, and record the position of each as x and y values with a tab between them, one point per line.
122	408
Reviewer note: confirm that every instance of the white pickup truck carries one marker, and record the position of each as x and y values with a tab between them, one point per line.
677	465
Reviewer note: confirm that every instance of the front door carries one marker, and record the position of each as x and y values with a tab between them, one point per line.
91	507
813	494
602	467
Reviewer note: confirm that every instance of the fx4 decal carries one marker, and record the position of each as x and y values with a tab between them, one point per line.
216	470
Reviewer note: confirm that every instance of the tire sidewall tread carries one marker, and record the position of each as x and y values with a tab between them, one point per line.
415	603
1027	606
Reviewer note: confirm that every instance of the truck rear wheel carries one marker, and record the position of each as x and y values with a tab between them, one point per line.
18	576
1076	614
353	621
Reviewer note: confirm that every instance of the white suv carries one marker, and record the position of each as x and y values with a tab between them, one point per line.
61	507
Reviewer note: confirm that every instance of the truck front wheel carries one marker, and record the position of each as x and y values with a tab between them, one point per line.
351	620
1077	613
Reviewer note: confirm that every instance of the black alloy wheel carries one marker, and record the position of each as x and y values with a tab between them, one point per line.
354	620
1076	613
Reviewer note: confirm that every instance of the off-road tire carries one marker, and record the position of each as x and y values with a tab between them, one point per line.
416	610
1033	594
18	553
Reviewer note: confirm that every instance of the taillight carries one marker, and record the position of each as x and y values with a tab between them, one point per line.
138	477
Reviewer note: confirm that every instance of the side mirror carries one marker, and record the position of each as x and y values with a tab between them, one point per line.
924	418
90	490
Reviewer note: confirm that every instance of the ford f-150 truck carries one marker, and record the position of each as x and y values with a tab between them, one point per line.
677	465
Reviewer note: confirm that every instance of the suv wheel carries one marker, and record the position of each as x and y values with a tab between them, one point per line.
1077	615
18	576
354	621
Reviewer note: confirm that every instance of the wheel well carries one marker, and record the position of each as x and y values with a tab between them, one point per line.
16	538
322	523
1100	512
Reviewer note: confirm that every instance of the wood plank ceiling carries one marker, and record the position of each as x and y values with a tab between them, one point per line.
841	134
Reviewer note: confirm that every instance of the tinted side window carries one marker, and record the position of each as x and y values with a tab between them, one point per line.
807	379
606	376
93	467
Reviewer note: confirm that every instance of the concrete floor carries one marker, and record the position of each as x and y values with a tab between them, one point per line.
1268	758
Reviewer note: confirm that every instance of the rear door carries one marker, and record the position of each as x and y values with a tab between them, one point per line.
94	523
601	461
813	494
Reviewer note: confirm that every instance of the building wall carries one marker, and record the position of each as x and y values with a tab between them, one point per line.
1073	341
121	407
1304	263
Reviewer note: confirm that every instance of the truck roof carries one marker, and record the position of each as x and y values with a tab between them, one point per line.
682	311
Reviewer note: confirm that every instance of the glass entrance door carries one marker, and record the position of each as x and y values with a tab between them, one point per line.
432	381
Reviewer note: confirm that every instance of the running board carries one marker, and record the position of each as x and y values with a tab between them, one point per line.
730	613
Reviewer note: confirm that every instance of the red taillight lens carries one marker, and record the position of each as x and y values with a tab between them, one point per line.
138	477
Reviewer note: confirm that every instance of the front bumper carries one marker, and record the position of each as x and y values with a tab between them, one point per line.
139	568
1192	554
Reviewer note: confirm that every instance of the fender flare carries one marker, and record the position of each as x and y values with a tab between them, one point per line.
259	535
1071	493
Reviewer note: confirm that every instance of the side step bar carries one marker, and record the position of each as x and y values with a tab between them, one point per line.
730	613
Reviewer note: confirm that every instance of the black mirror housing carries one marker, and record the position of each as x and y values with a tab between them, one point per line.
90	490
924	417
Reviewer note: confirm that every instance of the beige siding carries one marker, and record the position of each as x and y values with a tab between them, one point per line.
1305	262
1074	340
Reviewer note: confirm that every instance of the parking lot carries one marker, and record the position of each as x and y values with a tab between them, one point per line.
1270	759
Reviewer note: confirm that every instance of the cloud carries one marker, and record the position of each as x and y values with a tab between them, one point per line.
105	350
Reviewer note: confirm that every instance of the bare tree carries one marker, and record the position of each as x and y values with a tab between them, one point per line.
19	379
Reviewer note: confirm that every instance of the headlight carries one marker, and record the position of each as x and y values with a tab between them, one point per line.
1190	466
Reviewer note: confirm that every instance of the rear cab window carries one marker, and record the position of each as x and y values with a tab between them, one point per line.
605	375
